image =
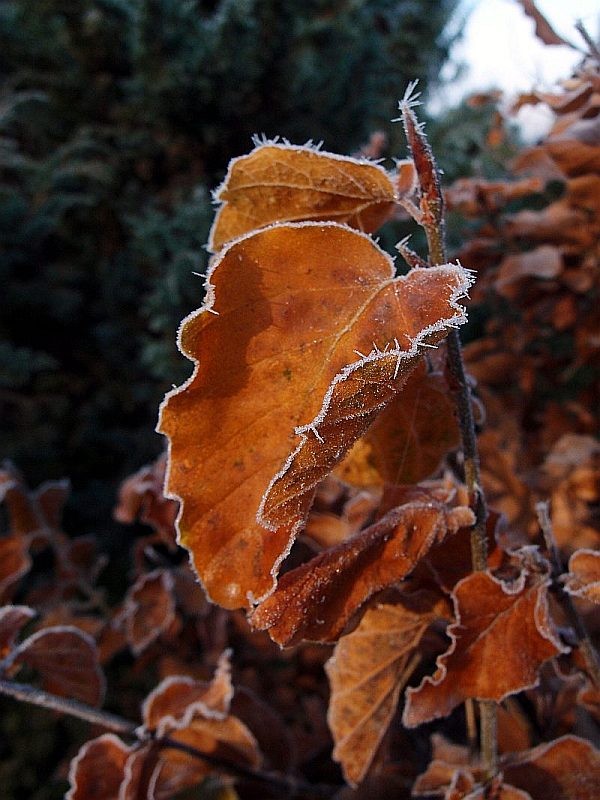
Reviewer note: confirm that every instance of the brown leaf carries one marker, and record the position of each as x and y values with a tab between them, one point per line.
451	560
409	438
98	769
454	775
543	262
326	529
583	578
492	618
149	609
543	29
141	497
14	563
12	619
179	698
196	713
565	769
367	671
316	600
30	512
279	392
279	182
66	660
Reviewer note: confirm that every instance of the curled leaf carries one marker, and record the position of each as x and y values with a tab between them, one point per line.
98	769
279	182
288	376
316	600
179	698
491	618
583	578
565	769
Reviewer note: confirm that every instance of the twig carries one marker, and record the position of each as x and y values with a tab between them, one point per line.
432	221
38	697
590	654
580	28
112	722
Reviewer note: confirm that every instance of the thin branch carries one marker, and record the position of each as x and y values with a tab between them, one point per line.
432	215
293	786
590	654
593	47
112	722
64	705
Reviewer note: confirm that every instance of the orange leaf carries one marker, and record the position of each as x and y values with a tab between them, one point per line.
279	393
583	578
178	698
196	714
66	660
565	769
316	600
279	182
487	659
409	438
367	671
98	769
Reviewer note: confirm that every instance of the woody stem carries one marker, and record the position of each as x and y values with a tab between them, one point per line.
464	408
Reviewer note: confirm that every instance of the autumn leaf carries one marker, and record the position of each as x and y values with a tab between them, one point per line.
280	182
15	562
543	30
66	660
179	698
492	618
565	769
409	438
148	610
304	338
12	620
583	578
367	672
98	769
316	600
141	497
196	714
454	774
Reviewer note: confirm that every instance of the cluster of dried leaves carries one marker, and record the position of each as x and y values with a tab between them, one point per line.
316	438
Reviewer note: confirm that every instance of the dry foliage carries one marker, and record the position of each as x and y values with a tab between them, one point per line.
316	476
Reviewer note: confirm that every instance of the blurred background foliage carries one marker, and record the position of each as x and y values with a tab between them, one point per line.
117	117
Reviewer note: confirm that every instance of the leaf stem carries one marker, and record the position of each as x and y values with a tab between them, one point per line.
112	722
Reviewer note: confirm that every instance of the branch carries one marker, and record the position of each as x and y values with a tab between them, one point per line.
432	221
112	722
38	697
